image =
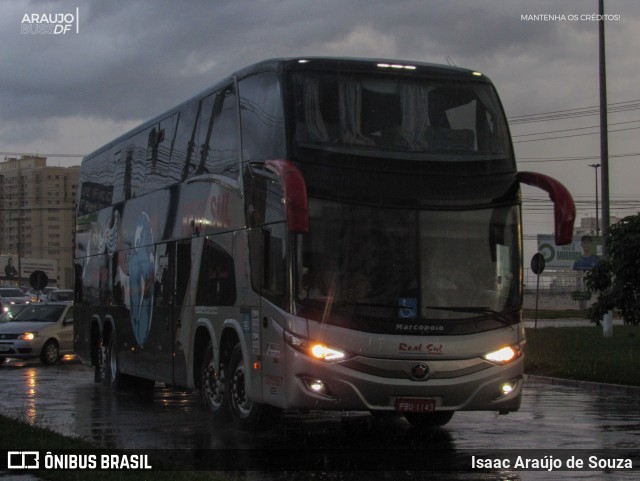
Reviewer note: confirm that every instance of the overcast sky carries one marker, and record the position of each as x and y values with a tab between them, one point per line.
122	62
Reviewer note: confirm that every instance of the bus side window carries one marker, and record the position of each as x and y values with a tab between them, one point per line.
261	111
160	146
274	263
217	283
183	270
96	183
184	153
202	136
222	151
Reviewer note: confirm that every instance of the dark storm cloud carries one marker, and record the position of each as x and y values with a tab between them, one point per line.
133	59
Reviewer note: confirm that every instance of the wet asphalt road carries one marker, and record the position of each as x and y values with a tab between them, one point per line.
552	417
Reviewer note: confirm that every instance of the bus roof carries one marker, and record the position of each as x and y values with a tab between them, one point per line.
358	64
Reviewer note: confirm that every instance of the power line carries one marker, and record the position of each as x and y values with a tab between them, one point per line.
575	112
571	130
571	159
574	135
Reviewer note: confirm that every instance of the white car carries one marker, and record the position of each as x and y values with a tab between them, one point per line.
43	330
11	296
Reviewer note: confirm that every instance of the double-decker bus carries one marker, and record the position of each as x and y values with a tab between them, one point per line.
317	233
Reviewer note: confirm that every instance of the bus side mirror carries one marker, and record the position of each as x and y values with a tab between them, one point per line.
564	209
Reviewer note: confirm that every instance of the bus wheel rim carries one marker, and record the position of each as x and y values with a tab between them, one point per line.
241	403
214	386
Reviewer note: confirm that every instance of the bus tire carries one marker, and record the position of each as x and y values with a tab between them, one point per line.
250	415
213	387
429	420
113	378
100	363
111	372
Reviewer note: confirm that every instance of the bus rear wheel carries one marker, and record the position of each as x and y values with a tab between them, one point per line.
429	420
111	372
108	371
249	414
212	386
100	363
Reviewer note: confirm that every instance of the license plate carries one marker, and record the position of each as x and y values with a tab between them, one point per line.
4	348
415	405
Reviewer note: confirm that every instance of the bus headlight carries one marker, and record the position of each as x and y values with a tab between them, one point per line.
316	350
504	355
326	353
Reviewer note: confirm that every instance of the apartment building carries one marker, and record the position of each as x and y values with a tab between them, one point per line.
37	207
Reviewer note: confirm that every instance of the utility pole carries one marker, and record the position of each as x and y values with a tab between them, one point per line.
604	139
19	246
596	167
607	324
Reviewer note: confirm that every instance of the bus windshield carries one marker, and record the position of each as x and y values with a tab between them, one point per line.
377	115
362	262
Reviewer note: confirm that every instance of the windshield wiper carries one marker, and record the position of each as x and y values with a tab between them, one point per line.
501	317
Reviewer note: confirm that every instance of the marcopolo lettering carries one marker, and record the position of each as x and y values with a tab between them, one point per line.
419	327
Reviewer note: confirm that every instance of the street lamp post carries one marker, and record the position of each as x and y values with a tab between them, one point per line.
19	247
596	167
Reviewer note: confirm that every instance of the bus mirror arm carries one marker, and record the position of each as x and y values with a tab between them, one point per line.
295	194
564	209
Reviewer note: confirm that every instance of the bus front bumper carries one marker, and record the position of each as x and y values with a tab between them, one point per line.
397	385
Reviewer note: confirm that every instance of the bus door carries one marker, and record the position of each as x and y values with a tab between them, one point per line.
268	258
274	223
172	266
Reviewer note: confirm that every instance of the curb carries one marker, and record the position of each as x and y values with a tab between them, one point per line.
587	385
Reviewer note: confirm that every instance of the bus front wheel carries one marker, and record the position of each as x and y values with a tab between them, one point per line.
251	415
429	420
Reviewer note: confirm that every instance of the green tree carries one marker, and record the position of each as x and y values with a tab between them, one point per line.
616	279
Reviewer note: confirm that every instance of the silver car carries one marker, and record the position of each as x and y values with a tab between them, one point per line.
11	296
61	295
43	330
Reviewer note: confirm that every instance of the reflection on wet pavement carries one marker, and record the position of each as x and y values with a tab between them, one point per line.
65	398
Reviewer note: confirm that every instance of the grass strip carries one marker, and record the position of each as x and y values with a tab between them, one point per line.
584	354
556	314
